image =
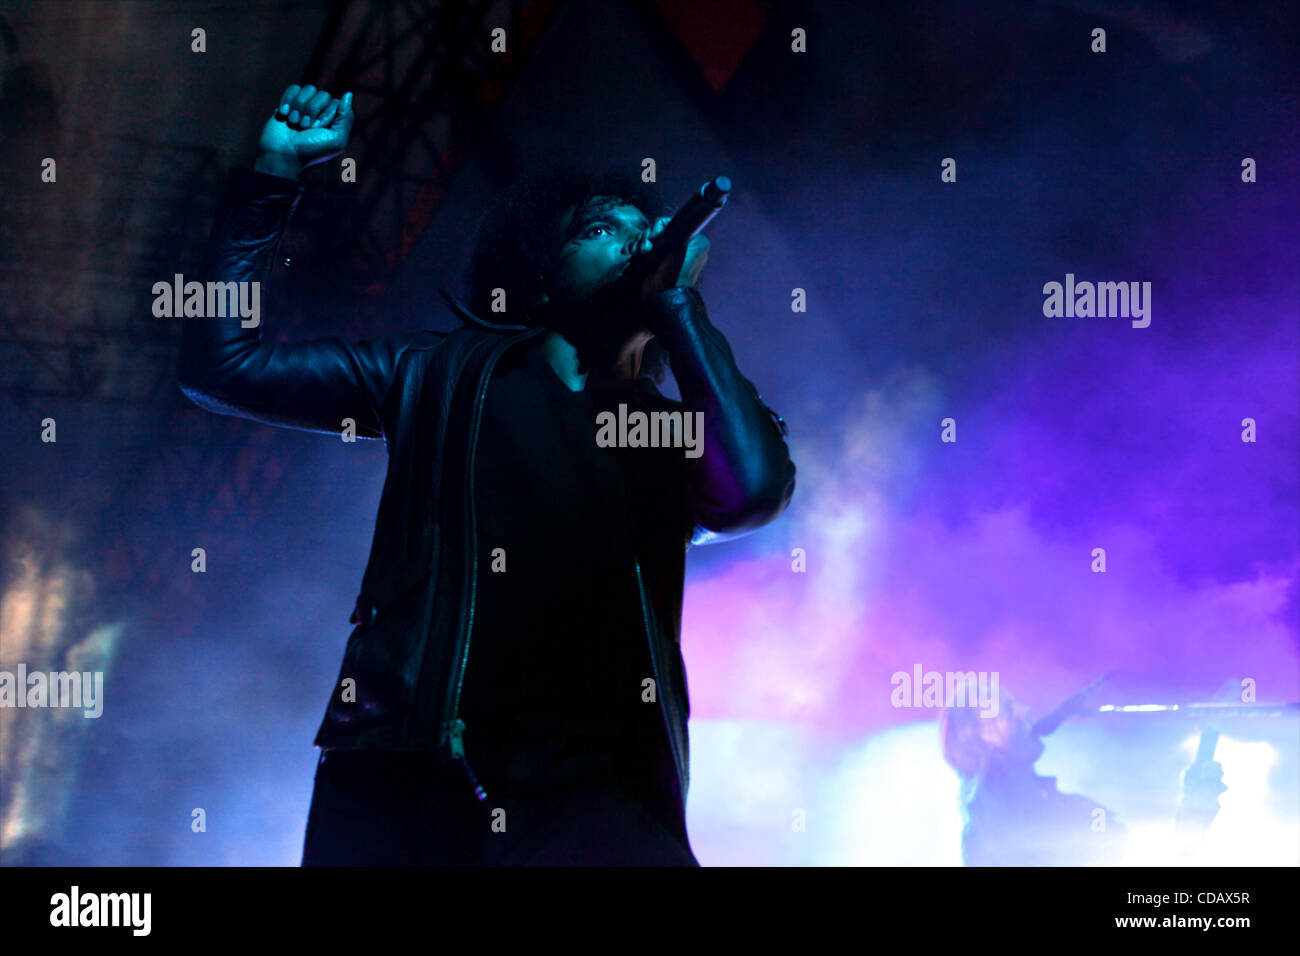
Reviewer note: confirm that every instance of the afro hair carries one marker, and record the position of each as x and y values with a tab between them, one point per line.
518	239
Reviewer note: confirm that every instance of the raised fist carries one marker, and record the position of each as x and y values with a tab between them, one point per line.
308	127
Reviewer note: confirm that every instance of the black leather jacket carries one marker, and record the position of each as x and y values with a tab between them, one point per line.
422	392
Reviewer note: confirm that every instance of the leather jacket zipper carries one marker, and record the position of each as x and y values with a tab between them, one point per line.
458	754
453	726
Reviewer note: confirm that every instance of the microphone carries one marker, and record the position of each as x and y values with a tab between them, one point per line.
686	223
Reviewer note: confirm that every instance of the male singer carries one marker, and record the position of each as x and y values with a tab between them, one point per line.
513	691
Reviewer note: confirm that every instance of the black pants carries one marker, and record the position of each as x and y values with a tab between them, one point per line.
380	808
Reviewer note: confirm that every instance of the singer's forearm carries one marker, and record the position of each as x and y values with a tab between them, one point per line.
228	368
744	477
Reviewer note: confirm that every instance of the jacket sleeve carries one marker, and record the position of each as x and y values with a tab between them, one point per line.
311	385
744	477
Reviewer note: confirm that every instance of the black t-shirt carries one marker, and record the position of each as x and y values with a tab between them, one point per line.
558	648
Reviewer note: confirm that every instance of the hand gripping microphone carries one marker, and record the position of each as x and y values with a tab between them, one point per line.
686	223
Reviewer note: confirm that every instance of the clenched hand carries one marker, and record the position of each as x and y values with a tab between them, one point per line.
308	127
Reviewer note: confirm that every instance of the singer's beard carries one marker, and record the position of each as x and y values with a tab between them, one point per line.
597	319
